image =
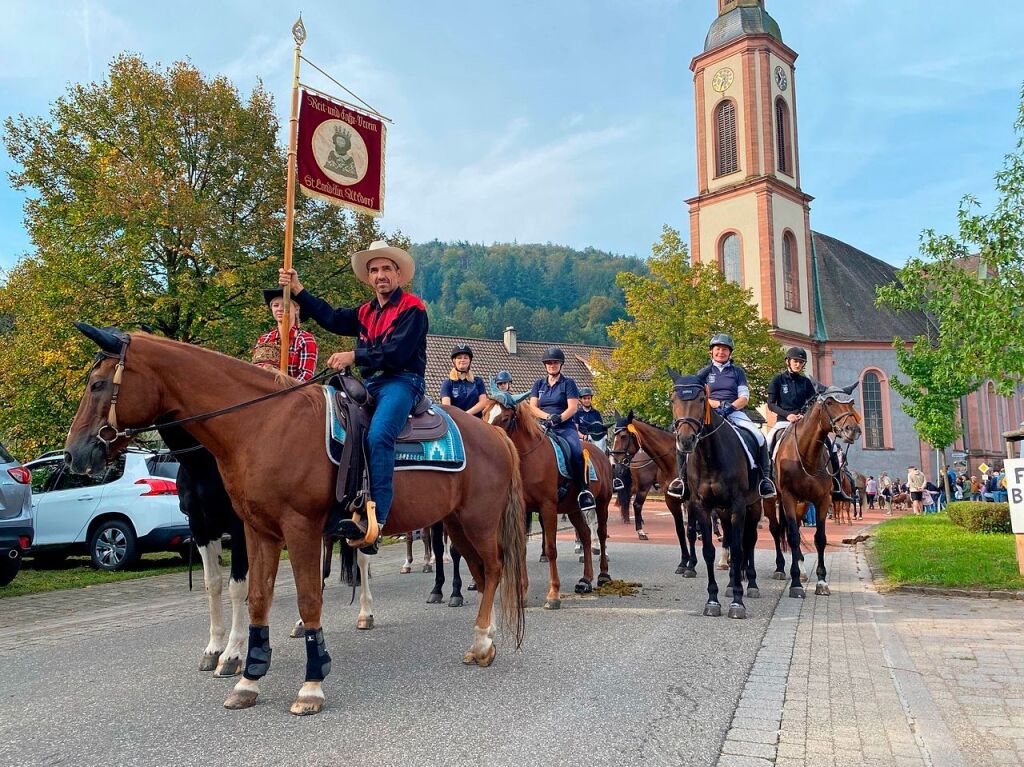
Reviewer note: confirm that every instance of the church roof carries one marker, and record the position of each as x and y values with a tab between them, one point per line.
741	21
847	281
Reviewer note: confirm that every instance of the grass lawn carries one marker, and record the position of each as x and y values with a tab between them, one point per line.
77	572
932	551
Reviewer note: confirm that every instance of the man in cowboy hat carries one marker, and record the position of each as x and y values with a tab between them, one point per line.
302	349
391	353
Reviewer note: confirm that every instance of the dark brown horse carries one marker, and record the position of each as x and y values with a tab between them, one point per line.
637	476
632	435
271	456
804	477
540	487
718	477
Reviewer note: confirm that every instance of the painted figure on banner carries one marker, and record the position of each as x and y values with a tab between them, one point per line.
339	160
340	152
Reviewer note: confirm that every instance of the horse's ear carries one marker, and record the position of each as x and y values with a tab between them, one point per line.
492	388
630	416
104	339
852	387
517	398
673	373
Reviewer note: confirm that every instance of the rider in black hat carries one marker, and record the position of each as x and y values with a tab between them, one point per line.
789	395
463	389
556	397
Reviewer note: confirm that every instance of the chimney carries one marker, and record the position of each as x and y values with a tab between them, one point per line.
510	339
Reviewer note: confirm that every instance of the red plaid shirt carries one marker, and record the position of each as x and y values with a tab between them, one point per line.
302	351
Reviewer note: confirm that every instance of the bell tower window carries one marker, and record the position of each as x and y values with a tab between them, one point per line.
790	272
729	259
726	155
784	158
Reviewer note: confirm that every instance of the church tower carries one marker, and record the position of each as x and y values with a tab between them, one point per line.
750	215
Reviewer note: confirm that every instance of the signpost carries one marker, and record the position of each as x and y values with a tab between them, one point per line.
1015	496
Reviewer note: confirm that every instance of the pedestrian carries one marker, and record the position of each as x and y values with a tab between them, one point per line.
885	483
975	488
915	485
871	491
302	348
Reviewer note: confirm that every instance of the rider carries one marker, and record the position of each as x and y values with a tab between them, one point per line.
391	352
503	381
788	396
586	415
463	389
302	349
556	398
729	394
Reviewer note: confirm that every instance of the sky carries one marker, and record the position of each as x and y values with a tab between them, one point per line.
572	121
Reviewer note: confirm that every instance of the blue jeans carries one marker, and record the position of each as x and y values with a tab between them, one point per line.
394	395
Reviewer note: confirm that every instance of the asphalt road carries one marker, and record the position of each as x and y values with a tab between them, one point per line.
604	681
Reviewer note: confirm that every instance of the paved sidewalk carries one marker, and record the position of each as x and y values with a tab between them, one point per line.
861	678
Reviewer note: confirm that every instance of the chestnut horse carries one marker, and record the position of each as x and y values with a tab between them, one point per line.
803	476
540	486
632	435
637	475
272	458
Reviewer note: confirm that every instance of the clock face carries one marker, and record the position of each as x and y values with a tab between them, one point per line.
780	78
723	79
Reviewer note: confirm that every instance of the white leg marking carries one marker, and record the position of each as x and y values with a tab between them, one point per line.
238	637
247	685
214	581
365	597
312	690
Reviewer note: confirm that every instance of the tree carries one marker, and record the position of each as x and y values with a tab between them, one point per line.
156	197
672	315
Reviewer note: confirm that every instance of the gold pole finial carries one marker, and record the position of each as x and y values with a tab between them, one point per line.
299	31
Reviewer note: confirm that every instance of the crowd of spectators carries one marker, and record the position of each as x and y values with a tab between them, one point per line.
990	486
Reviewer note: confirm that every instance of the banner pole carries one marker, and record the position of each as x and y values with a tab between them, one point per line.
299	35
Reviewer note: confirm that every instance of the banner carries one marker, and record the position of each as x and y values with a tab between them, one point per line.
340	155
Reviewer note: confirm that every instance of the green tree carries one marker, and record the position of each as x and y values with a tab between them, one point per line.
672	315
155	197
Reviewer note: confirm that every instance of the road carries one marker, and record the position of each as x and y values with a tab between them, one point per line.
107	675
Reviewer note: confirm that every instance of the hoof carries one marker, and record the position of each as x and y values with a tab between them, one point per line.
582	559
470	658
435	599
712	610
230	667
680	570
689	573
778	575
737	611
553	604
209	661
797	592
364	622
455	601
602	579
406	568
240	699
595	549
583	586
472	586
298	631
642	535
754	593
821	589
306	706
543	558
428	568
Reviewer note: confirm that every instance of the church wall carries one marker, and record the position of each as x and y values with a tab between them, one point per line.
788	215
738	214
787	95
848	365
711	101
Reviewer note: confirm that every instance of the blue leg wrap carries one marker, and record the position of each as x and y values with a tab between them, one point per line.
318	660
257	661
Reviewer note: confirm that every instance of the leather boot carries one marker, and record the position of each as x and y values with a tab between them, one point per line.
838	494
766	488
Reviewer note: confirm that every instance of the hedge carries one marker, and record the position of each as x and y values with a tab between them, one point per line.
980	517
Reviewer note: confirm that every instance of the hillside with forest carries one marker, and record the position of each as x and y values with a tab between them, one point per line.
548	292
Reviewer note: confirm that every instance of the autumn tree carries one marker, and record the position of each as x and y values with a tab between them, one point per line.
672	315
155	197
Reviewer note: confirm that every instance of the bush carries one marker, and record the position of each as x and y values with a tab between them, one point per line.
980	517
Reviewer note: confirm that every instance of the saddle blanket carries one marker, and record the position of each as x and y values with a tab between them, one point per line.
563	463
445	454
748	440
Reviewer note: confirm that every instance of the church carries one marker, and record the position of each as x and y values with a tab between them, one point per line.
752	217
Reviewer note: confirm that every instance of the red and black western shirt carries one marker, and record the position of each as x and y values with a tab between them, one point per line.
391	338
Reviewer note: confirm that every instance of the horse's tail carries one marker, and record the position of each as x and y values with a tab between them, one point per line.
348	563
624	475
512	539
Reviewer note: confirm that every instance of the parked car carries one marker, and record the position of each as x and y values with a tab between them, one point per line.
15	515
115	517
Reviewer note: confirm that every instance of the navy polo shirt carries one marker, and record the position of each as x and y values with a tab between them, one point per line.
554	399
464	394
727	383
588	416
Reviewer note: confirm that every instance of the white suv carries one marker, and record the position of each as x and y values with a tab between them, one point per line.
130	509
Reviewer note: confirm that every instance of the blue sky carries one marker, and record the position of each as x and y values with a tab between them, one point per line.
571	121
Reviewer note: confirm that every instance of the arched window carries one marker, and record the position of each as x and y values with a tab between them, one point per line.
874	417
726	154
782	151
729	259
790	272
994	435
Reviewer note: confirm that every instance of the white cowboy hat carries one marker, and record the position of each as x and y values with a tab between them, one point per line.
381	249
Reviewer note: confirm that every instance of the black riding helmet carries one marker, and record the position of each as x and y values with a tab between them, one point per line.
554	354
464	349
796	353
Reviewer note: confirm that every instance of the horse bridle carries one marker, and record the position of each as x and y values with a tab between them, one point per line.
627	458
698	426
836	422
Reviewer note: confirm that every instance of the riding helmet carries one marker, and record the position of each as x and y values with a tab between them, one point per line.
796	353
554	354
721	339
586	391
503	377
464	349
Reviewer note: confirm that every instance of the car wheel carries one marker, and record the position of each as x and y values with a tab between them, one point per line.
113	545
8	569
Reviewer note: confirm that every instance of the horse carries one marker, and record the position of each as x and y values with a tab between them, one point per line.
631	435
803	476
427	551
541	482
719	479
842	509
282	484
637	476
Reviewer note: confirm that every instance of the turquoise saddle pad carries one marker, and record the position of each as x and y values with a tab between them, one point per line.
445	454
563	462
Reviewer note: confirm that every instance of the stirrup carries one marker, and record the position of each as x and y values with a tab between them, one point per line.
676	488
586	501
838	494
364	535
618	484
766	488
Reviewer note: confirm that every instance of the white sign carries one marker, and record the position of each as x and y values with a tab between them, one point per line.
1015	492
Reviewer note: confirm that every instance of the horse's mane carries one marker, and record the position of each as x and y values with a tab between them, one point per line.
527	421
652	425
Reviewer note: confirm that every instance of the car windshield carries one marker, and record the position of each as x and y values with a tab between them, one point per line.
5	457
163	466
